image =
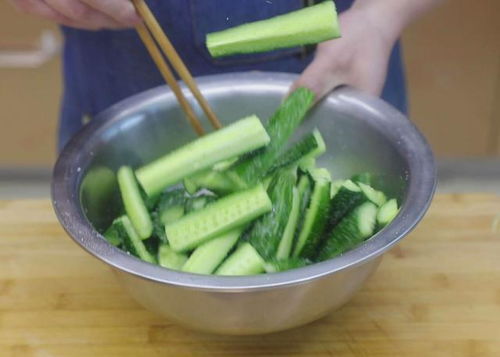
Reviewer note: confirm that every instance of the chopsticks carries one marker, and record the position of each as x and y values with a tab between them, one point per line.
151	31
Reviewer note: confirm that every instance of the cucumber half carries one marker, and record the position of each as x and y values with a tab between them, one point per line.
309	25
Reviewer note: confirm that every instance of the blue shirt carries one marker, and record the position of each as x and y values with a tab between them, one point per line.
104	67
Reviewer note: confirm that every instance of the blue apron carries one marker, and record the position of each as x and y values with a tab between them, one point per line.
104	67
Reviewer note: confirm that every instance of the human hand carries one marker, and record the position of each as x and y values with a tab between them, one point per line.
83	14
359	58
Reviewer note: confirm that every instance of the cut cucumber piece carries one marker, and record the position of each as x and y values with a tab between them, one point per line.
169	209
364	177
233	140
386	213
307	164
310	146
310	25
316	217
172	214
373	195
285	246
208	256
304	189
336	185
349	196
319	150
351	231
215	181
113	234
244	261
172	198
167	258
133	243
280	127
276	266
134	205
217	218
268	230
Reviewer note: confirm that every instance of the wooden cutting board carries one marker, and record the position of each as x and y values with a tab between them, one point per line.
436	294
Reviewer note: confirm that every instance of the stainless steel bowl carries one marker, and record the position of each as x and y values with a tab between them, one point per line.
362	133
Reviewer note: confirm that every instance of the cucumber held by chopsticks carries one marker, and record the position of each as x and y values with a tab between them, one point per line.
310	25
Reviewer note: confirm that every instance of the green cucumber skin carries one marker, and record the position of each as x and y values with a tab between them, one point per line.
280	128
233	140
278	265
196	203
309	146
304	188
244	261
315	220
133	202
208	256
167	258
347	235
133	243
169	200
310	25
286	242
342	203
268	230
217	218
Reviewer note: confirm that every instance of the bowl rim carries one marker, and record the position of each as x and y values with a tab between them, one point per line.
67	176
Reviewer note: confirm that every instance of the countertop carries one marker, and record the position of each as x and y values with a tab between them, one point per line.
435	294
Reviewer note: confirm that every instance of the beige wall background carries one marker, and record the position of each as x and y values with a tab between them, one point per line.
453	67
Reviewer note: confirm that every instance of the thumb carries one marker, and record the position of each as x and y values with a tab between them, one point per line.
319	79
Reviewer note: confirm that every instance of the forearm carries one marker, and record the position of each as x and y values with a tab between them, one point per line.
394	15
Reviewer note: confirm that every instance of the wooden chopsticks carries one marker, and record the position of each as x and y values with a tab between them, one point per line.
151	31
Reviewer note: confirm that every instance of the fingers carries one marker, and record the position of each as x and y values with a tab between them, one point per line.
319	78
83	15
39	8
122	11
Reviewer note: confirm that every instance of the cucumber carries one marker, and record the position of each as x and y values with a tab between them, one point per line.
215	181
386	213
310	146
268	231
307	164
276	265
233	140
113	234
217	218
365	177
373	195
349	195
132	241
133	202
171	214
208	256
336	185
167	258
244	261
316	216
286	242
280	127
170	208
172	198
304	189
196	203
354	228
310	25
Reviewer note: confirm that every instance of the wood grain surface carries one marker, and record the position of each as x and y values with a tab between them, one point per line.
436	294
